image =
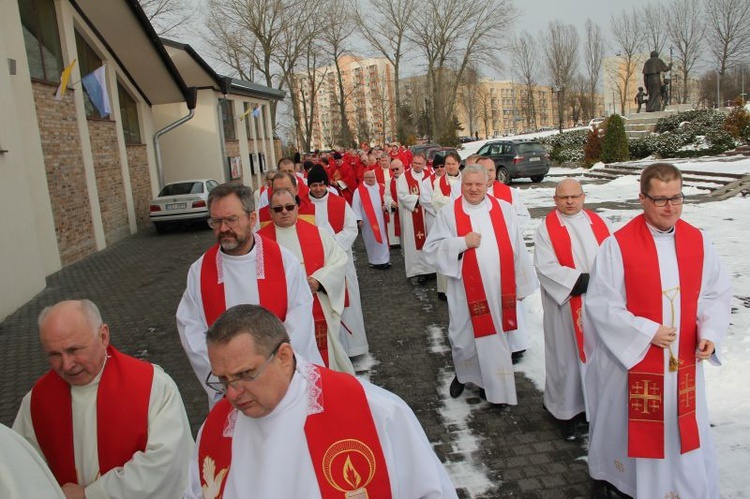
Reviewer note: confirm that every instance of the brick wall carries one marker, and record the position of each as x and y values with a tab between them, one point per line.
109	183
140	183
66	180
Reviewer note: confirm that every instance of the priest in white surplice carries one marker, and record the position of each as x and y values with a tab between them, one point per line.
289	429
390	196
242	268
476	244
413	223
368	208
565	245
23	472
657	309
446	188
107	424
384	174
334	215
324	262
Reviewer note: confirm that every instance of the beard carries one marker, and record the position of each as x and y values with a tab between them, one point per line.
230	241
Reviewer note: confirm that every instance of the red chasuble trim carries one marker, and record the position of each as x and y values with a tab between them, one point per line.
396	217
502	191
417	216
314	258
563	247
343	441
215	448
476	296
272	289
445	186
643	291
372	220
336	212
122	401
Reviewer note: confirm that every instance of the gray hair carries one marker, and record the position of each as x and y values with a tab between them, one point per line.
475	169
291	176
243	192
279	192
266	330
87	307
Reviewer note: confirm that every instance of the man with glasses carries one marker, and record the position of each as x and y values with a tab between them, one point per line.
368	206
391	203
107	424
242	268
565	245
289	429
324	262
657	307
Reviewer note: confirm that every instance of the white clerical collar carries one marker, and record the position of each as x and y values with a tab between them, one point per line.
578	215
659	232
473	207
291	228
320	199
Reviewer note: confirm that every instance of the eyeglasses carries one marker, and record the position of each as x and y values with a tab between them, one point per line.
285	207
662	202
230	221
221	385
565	198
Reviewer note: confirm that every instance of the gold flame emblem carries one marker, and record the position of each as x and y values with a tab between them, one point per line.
345	463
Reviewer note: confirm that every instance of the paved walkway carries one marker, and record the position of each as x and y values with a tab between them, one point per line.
138	283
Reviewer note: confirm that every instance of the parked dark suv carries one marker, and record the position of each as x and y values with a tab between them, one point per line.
517	159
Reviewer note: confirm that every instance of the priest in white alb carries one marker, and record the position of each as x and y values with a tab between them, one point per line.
324	262
390	197
476	244
412	215
107	424
565	245
242	267
290	429
368	205
656	311
333	214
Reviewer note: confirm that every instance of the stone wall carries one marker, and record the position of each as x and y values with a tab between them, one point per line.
109	182
66	179
140	182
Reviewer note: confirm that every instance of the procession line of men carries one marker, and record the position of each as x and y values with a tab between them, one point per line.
262	315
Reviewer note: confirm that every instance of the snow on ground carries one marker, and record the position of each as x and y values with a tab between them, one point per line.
727	224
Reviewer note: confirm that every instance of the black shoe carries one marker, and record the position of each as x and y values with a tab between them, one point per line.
517	356
441	296
456	389
569	429
482	394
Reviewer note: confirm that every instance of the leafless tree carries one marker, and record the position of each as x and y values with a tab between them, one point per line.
654	20
593	53
469	97
335	38
306	86
525	68
686	29
384	24
265	37
727	33
627	37
560	44
451	34
168	16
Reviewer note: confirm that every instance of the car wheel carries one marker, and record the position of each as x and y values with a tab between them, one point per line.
160	227
503	176
537	179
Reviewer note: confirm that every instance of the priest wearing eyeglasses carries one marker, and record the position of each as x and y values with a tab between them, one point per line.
324	263
657	309
289	429
242	267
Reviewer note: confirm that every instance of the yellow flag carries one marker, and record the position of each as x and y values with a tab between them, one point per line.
64	78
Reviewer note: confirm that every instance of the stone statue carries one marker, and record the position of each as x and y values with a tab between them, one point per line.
652	70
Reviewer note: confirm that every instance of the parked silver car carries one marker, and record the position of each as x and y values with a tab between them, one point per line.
181	202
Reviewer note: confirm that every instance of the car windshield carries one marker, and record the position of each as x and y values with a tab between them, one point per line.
532	147
182	188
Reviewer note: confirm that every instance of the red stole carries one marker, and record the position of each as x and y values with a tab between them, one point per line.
272	289
643	292
336	212
314	258
372	219
563	247
445	186
417	216
380	175
476	297
343	440
122	401
396	218
502	191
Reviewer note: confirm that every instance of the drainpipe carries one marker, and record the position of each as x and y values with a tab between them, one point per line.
158	135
